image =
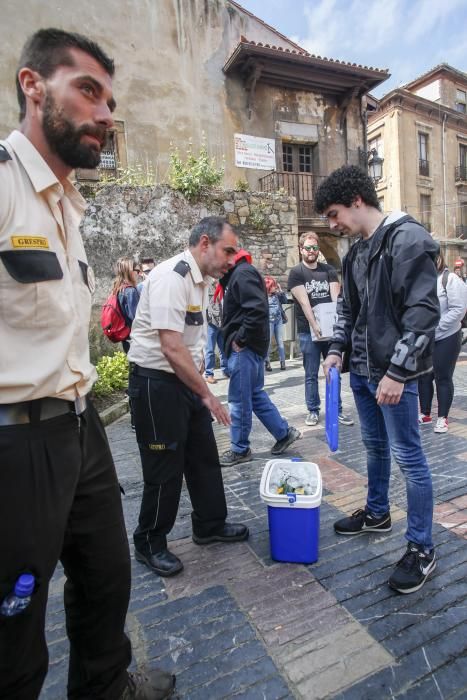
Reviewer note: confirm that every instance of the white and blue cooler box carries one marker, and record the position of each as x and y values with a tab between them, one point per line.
293	518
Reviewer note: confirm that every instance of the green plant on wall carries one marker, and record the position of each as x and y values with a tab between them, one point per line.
134	176
241	185
259	218
194	174
112	371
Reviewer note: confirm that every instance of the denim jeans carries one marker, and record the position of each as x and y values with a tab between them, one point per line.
311	355
247	395
394	428
214	336
275	329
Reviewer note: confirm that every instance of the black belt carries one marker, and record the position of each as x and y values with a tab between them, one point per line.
153	373
38	410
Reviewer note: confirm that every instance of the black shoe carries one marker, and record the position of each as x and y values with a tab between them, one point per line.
153	685
281	445
230	458
413	569
163	563
267	367
363	521
282	365
230	532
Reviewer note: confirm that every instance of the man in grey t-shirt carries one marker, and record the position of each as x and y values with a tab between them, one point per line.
312	283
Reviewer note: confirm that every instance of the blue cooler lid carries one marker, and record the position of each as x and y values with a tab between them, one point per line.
332	409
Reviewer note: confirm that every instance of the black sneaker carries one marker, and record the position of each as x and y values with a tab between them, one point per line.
153	685
363	521
413	569
230	458
281	445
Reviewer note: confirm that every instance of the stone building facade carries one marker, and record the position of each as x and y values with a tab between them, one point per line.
420	132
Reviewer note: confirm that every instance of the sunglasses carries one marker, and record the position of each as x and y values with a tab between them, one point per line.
310	247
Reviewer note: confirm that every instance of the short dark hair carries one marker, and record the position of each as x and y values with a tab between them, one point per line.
212	226
307	234
342	187
148	261
48	49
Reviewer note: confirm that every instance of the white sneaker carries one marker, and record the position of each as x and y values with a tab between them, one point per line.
441	426
312	418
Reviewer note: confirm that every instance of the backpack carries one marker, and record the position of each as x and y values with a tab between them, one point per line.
112	320
444	282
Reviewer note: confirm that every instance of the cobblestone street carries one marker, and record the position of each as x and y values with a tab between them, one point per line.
235	624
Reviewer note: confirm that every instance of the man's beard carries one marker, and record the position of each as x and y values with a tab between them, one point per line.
64	138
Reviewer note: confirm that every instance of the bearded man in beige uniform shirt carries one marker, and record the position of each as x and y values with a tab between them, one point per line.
171	402
59	495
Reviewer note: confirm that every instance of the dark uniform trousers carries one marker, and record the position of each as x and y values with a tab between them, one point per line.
175	438
60	500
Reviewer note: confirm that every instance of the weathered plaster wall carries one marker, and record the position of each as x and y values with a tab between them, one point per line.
169	83
169	54
156	222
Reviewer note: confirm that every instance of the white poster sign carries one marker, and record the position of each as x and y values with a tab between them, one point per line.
255	152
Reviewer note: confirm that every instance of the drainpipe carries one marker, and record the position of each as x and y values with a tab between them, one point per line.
445	116
364	120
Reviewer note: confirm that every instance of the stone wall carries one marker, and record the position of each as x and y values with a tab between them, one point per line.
155	222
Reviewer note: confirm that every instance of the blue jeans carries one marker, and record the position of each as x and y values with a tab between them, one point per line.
387	429
214	336
247	395
275	329
311	355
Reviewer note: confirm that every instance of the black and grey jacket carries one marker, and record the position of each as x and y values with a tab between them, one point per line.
246	310
400	308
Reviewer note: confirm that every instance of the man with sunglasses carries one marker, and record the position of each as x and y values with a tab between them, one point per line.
312	283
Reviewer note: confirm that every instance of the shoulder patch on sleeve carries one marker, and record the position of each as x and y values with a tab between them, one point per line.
4	155
182	267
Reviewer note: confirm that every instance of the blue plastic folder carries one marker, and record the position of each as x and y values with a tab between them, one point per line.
332	409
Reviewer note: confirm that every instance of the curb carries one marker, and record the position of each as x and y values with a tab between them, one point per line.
114	412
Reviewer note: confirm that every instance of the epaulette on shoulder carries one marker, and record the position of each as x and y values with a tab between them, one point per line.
4	155
182	267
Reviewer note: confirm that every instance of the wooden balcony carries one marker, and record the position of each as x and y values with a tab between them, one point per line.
302	186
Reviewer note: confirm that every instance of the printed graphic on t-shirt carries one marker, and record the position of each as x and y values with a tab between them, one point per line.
317	289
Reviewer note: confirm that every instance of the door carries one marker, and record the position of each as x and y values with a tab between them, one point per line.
297	164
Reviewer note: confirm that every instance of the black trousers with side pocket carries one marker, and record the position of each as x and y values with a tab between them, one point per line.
175	438
60	500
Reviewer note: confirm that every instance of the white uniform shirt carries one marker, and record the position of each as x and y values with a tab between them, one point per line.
170	301
45	281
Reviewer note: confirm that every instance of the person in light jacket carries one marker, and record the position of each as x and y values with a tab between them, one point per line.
452	295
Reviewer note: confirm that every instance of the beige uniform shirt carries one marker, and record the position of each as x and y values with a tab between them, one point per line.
45	281
170	301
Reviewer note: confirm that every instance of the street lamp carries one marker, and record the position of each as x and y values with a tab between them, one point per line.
375	165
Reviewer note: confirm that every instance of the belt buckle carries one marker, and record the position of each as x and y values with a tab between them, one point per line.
80	405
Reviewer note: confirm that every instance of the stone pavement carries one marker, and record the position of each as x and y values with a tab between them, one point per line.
235	624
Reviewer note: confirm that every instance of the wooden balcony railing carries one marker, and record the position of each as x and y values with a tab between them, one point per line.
300	185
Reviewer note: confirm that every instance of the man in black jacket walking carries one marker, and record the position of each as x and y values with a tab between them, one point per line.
387	314
246	342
